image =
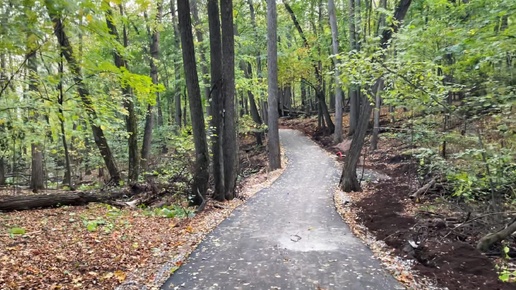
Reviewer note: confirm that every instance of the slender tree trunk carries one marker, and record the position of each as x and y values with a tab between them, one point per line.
348	179
178	113
252	102
378	98
130	119
149	117
216	98
272	70
68	167
354	98
201	174
376	117
338	88
37	180
3	82
247	69
98	133
230	147
202	52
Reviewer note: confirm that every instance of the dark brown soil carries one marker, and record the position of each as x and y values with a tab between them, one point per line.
446	256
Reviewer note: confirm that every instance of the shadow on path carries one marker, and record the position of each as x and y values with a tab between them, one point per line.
288	236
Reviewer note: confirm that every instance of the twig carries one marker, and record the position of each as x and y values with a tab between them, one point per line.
417	194
475	219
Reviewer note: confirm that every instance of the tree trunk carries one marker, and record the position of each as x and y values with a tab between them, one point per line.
26	202
98	133
68	168
37	180
252	102
354	92
230	146
376	117
177	68
149	117
348	179
247	69
272	90
2	171
201	174
130	119
487	241
378	98
216	98
202	53
338	88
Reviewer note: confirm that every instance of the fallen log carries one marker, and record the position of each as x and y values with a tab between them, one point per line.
417	194
26	202
488	240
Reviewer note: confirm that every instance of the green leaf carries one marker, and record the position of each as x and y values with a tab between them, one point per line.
91	226
17	231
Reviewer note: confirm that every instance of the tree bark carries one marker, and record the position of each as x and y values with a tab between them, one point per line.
201	174
37	180
130	119
202	53
216	98
98	133
376	117
26	202
272	88
378	98
354	93
487	241
230	147
68	168
149	117
338	88
348	179
252	102
177	67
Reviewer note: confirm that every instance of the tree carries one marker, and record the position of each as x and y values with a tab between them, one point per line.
230	147
348	180
378	99
200	171
68	53
200	38
149	117
319	86
37	180
130	119
272	90
338	88
354	91
177	67
216	103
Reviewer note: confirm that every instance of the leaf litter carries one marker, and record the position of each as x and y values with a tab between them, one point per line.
100	247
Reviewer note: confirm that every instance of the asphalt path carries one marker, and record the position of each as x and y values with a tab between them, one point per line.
288	236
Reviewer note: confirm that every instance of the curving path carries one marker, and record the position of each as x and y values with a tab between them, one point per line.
288	236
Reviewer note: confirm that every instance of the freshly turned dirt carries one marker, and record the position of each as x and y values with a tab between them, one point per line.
383	215
446	256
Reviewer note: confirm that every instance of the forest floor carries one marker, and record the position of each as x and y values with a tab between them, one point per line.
386	218
102	247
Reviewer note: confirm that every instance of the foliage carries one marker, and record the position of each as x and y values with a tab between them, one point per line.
173	211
